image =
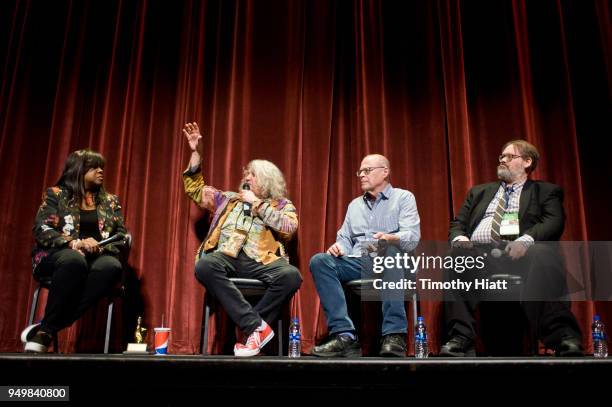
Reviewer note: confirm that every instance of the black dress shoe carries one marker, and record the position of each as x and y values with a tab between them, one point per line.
569	346
458	346
393	345
338	346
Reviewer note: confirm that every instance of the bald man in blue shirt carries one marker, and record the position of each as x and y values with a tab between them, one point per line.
382	212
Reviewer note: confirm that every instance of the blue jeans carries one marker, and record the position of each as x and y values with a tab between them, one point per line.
329	273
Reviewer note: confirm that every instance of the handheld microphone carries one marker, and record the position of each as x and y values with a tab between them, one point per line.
111	239
382	247
246	205
498	252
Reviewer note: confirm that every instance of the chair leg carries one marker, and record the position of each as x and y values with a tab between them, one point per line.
34	306
415	306
55	344
109	319
280	337
204	349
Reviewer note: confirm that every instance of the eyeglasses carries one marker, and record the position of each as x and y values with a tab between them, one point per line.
508	157
366	171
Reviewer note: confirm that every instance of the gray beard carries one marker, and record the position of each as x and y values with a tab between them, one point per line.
504	174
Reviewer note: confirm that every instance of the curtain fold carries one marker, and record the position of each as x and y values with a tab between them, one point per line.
313	86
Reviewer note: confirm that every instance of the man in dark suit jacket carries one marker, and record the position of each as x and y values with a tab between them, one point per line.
483	220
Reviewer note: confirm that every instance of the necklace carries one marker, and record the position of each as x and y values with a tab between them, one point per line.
89	200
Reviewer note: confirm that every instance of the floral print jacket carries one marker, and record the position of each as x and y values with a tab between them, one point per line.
57	223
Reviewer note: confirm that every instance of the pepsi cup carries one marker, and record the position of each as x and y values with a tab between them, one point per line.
161	340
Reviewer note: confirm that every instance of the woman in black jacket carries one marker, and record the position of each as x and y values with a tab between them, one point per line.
75	216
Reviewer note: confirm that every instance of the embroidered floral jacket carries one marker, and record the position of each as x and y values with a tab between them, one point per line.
57	223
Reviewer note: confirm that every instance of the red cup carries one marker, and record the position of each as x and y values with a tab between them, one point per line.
161	340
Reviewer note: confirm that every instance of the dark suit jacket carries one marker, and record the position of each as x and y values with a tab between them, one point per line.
541	214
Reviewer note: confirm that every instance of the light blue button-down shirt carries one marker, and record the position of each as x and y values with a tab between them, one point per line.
393	212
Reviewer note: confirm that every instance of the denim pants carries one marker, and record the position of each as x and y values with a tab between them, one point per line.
329	273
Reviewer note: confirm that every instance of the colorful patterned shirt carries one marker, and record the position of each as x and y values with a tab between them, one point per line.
274	221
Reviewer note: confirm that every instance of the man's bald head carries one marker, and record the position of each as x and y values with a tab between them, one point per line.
379	159
374	173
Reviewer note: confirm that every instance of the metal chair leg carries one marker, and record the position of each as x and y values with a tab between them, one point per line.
204	349
55	344
34	306
415	311
109	319
280	337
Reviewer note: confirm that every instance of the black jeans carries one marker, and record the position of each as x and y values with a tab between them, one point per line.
544	282
77	283
282	280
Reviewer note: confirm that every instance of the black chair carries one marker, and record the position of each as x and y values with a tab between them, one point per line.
249	288
365	288
46	283
507	303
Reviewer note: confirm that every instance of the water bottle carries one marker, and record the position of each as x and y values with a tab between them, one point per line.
421	349
295	343
600	346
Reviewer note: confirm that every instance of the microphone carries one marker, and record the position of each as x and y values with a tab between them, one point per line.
382	247
246	205
500	251
111	239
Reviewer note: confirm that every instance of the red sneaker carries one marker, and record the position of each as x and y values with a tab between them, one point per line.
255	342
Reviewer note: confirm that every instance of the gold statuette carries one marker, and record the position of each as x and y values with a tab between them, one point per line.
140	336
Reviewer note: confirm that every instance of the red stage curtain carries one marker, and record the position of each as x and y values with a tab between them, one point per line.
436	86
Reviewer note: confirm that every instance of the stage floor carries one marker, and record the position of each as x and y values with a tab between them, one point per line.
174	379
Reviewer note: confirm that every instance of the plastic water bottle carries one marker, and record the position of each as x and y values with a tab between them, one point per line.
600	346
421	348
295	339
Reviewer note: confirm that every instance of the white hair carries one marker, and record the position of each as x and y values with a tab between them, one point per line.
270	179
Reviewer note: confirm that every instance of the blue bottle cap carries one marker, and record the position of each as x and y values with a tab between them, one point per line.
596	317
420	319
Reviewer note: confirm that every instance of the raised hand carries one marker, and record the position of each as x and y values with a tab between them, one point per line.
192	133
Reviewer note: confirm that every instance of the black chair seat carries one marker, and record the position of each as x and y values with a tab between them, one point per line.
249	287
512	279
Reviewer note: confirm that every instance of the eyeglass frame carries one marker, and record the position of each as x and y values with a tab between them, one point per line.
512	157
367	171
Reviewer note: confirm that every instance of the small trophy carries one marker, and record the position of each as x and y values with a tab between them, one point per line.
140	335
